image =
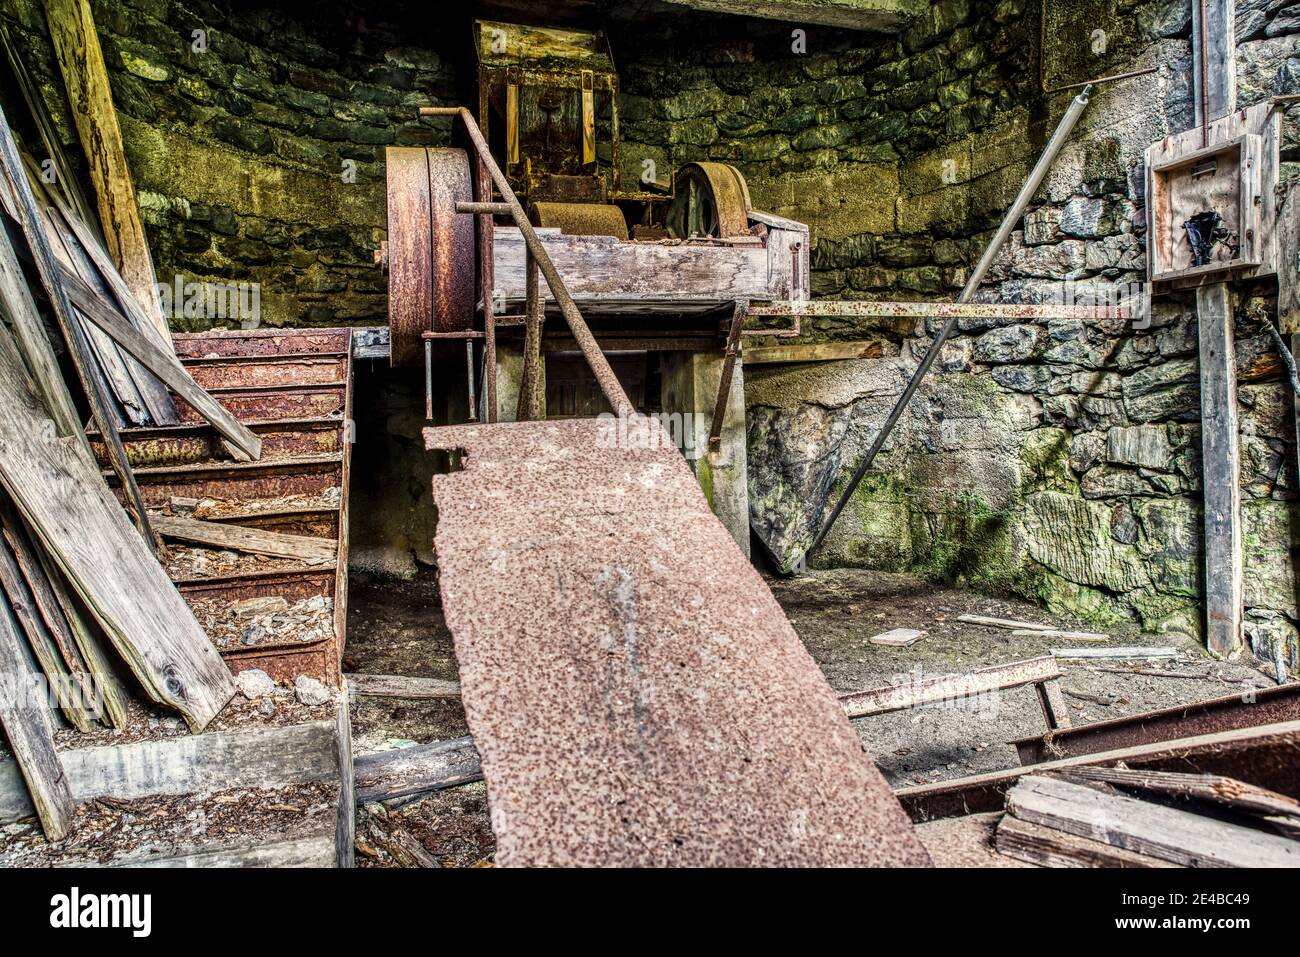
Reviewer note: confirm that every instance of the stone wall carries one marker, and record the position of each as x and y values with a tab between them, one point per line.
1057	460
257	146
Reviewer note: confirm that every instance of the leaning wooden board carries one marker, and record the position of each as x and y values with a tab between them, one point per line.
59	491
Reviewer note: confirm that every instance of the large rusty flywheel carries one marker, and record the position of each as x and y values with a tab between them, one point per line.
709	199
431	254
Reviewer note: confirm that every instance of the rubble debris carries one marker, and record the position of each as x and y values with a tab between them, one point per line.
311	692
255	683
270	620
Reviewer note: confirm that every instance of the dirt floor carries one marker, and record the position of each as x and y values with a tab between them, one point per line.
396	628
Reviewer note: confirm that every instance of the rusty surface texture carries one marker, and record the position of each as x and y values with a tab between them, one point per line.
1264	756
1228	713
431	250
636	693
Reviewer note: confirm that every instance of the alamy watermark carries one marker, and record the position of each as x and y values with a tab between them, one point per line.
241	301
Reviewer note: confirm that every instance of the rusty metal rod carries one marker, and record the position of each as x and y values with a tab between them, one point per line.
991	251
484	208
600	367
487	283
728	372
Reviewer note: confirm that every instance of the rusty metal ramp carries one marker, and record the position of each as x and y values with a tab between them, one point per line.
636	693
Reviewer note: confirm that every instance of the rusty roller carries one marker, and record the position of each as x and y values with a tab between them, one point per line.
581	219
431	262
709	199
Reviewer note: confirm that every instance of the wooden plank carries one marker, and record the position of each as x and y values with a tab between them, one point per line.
1214	79
858	704
1220	455
600	269
1054	633
61	676
400	686
1055	713
1151	829
32	341
30	735
419	769
317	851
1048	847
79	246
240	538
81	61
1215	788
345	830
189	764
1008	623
89	640
1126	652
243	444
59	491
29	217
813	352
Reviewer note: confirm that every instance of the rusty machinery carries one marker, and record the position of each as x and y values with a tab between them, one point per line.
686	246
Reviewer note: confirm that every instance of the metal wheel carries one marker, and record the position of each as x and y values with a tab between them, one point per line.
710	199
431	253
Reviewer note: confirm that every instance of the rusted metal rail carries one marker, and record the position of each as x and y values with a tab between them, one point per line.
1229	713
600	367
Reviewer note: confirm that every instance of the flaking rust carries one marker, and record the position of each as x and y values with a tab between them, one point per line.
636	693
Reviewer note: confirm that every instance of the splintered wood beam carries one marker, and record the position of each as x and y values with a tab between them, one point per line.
1221	470
400	686
1145	828
81	61
59	491
415	770
242	443
242	539
27	725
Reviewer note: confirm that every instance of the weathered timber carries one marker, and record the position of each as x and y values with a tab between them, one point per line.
859	704
189	764
1127	652
1053	633
1048	847
1010	624
29	217
81	61
240	538
345	828
317	851
813	352
400	686
27	725
1263	755
66	679
1220	452
1145	828
59	491
419	769
243	444
1215	788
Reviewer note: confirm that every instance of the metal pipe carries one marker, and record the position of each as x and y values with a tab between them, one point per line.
600	367
484	208
469	370
991	251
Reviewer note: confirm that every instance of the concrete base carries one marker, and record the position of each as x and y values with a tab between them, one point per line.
690	390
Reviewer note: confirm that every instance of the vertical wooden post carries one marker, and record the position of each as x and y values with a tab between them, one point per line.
1215	91
76	45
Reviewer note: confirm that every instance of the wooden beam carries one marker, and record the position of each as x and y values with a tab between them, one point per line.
19	194
1048	847
76	45
240	538
859	704
1214	788
813	352
1145	828
1214	60
58	488
400	686
243	444
415	770
1221	470
27	725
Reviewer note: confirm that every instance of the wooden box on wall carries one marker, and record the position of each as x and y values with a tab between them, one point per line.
1230	169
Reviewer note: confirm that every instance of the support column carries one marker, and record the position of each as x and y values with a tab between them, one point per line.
510	380
1215	92
690	389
